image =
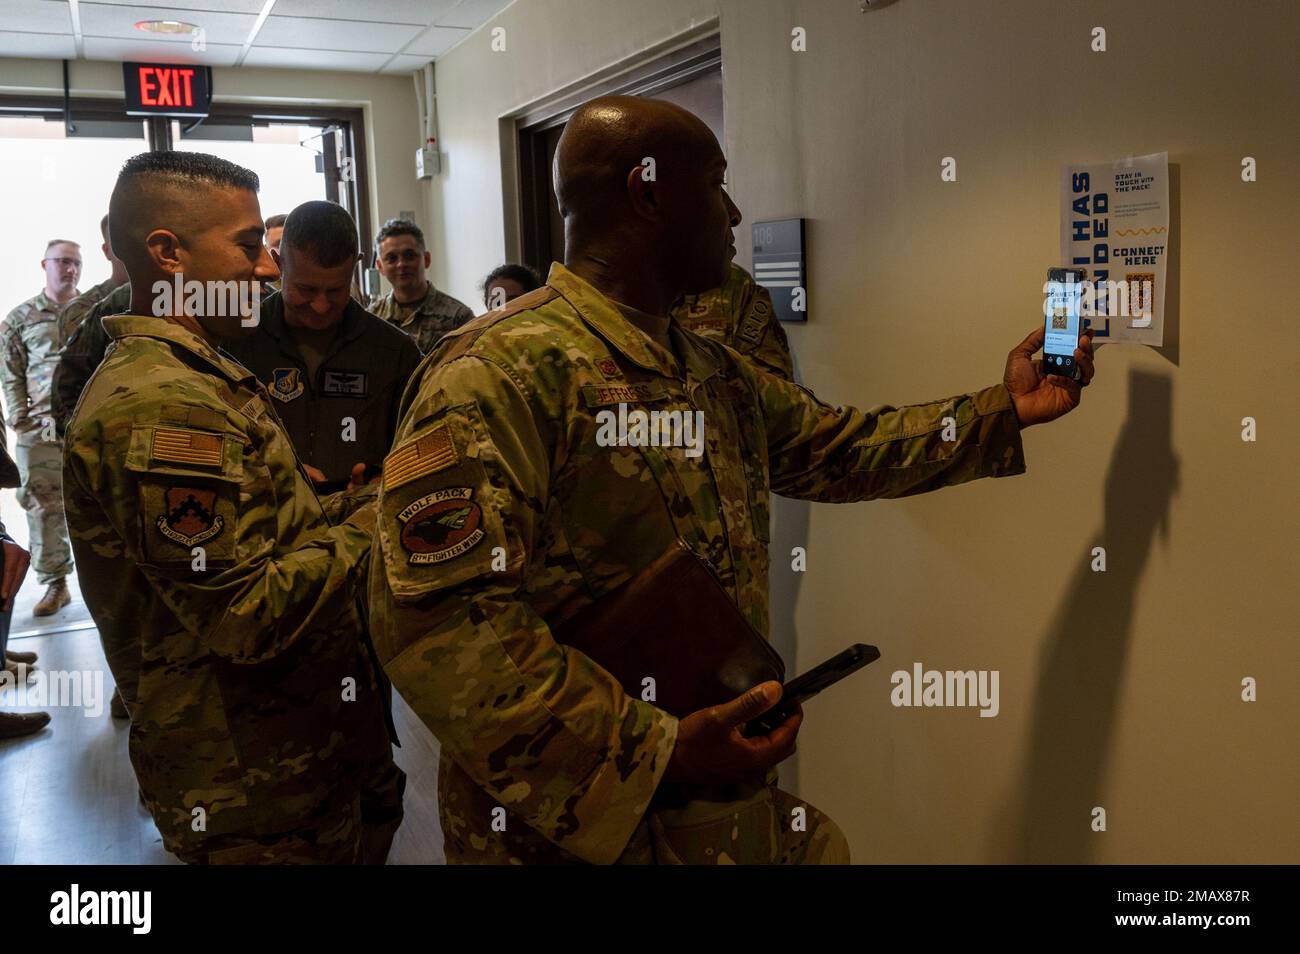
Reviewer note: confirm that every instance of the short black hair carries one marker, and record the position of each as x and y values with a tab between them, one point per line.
525	275
140	177
323	230
399	227
190	166
275	222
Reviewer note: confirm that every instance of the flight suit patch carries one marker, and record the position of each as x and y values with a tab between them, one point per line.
609	368
286	384
191	515
428	454
344	384
441	526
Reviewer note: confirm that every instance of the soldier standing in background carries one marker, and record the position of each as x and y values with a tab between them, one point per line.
739	313
227	601
31	338
504	512
81	306
414	305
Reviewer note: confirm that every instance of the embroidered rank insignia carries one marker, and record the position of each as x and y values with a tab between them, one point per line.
191	516
609	368
433	452
187	447
344	384
441	526
286	383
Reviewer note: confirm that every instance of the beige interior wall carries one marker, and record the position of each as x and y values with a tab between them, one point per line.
1118	689
549	45
391	117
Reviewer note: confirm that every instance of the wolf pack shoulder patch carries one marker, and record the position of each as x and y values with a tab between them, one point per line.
441	526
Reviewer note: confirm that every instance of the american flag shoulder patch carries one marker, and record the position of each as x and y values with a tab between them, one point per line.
427	454
184	446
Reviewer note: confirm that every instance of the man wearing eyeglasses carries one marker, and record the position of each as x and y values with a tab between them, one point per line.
31	339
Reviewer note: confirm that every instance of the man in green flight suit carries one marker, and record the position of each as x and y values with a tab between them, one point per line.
505	509
227	600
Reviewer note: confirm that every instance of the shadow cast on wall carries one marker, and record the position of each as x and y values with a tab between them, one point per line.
1048	817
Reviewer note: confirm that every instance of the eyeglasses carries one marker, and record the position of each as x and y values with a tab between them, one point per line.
65	262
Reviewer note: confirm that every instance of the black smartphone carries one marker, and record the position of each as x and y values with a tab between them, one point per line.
1063	322
802	688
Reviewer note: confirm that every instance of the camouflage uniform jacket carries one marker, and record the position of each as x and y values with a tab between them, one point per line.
501	515
741	316
85	343
233	671
30	337
427	320
81	306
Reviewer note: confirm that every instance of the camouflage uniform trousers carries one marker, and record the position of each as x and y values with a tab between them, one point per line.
743	824
41	495
360	832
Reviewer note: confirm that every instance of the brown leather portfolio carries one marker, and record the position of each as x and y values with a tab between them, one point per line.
674	622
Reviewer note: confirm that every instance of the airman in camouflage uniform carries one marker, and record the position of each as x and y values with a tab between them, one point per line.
86	343
426	320
503	424
414	304
31	339
739	313
505	509
227	599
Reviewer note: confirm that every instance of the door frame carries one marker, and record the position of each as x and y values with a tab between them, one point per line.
526	173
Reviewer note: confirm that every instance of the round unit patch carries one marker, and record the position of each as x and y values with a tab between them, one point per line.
441	526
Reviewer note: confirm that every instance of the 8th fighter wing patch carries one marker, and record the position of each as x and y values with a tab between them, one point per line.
191	515
441	526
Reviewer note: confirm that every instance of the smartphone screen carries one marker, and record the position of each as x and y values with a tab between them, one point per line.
1064	296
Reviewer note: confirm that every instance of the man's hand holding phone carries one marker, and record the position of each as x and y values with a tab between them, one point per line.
1040	397
711	747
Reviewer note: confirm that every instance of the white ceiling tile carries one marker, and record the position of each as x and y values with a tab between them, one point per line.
37	45
355	36
404	63
103	20
41	16
149	51
436	41
314	59
176	6
472	13
422	12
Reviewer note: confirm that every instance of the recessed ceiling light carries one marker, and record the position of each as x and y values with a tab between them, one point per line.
165	26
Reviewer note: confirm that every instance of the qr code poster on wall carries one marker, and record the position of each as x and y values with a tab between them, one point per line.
1115	225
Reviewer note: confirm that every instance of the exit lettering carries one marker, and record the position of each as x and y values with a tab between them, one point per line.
166	86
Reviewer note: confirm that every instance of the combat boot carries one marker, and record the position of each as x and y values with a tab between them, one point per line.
13	657
15	724
56	597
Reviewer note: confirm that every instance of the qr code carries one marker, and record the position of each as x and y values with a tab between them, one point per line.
1141	293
